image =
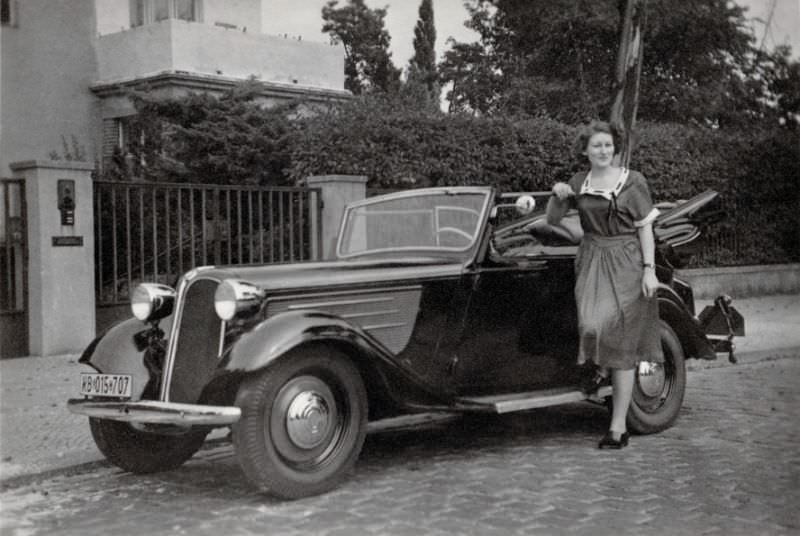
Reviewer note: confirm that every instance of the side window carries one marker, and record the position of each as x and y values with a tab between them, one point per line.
137	13
8	12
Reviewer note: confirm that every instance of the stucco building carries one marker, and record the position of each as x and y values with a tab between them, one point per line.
65	70
65	66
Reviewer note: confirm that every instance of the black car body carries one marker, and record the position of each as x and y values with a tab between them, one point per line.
431	305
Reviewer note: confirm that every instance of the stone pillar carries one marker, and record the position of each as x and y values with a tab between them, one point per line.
337	192
61	299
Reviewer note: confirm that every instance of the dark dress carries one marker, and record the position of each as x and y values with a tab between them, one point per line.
618	325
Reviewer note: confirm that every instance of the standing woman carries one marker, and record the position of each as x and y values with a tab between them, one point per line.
616	282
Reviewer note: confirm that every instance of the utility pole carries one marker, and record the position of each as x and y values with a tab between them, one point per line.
628	72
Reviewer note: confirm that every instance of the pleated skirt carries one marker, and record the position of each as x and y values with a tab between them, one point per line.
617	324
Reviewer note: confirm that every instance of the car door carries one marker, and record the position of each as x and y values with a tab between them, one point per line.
520	327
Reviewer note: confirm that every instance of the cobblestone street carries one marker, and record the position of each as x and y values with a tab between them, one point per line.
730	465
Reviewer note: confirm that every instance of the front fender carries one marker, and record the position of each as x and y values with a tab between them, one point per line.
278	334
117	352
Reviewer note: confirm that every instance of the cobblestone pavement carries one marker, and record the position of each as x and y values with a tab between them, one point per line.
38	434
730	465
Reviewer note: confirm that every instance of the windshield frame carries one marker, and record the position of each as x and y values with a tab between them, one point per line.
485	191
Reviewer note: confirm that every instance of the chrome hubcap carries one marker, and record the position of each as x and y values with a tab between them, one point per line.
308	419
651	378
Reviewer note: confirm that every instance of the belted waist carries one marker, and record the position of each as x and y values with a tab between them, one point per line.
609	241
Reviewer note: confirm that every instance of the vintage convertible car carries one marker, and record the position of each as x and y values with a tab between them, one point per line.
438	300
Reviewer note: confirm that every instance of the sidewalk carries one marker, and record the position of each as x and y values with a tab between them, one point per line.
38	434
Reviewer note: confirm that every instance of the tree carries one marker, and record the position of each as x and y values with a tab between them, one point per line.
556	58
538	58
781	84
696	54
422	67
361	30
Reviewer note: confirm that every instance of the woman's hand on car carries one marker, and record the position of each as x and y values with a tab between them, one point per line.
649	283
562	191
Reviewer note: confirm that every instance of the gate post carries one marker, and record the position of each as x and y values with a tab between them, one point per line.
61	299
337	192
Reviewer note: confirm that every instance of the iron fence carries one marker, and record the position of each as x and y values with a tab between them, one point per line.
13	269
724	243
157	231
13	253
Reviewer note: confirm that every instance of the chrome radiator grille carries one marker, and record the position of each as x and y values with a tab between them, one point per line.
197	350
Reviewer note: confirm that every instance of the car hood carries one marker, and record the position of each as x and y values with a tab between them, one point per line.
277	277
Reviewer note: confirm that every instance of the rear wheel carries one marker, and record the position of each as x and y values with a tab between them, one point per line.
143	452
303	423
659	387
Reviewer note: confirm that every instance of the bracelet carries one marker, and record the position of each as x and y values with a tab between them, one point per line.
648	265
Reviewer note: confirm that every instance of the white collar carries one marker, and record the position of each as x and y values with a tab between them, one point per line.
587	188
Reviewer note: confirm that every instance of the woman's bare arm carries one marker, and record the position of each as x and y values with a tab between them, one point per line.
558	204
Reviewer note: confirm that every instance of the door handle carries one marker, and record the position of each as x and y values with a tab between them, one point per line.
534	265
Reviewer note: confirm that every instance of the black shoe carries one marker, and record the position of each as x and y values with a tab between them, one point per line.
608	441
591	384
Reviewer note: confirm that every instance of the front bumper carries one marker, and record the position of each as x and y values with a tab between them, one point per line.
156	412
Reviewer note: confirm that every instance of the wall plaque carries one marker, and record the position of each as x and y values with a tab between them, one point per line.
67	241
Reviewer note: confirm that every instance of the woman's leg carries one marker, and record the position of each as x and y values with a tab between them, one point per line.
622	381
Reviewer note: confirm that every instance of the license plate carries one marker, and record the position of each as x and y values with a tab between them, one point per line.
116	385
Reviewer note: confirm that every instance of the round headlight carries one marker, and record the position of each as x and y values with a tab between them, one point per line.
151	301
234	298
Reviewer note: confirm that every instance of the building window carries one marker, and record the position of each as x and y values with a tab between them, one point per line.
122	140
185	10
160	10
147	11
7	12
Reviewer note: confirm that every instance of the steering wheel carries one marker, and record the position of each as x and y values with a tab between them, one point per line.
567	231
462	235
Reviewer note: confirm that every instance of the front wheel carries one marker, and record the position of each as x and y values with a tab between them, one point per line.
143	452
303	423
659	387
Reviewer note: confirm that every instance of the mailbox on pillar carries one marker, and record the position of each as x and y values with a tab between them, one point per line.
66	201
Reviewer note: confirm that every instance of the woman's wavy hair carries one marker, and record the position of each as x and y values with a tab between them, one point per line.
592	128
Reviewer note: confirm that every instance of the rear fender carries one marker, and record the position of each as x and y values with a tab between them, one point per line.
672	309
117	351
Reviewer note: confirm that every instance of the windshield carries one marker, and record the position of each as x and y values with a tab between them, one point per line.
428	220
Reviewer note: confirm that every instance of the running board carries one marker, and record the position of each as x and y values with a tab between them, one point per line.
536	399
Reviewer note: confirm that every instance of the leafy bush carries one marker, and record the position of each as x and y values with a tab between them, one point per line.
393	145
397	144
756	172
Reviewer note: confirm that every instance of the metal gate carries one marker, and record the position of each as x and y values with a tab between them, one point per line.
13	269
157	231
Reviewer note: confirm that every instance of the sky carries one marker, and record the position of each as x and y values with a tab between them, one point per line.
303	18
784	22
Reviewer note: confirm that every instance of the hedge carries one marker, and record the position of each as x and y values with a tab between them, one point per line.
756	172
